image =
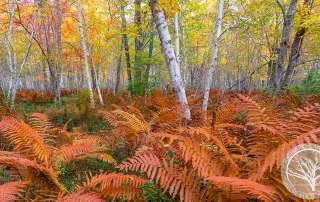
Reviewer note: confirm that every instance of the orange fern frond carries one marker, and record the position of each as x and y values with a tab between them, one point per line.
80	197
12	190
133	122
253	189
15	161
69	153
25	138
126	192
277	155
113	185
168	174
102	156
110	118
40	122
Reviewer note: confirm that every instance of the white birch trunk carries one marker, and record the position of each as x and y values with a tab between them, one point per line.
172	64
84	48
12	62
176	37
214	58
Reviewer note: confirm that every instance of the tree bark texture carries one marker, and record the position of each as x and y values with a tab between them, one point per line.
214	58
171	60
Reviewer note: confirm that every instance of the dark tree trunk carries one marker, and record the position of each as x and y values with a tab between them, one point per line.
287	21
295	51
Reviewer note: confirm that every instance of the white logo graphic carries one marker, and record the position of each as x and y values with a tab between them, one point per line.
300	171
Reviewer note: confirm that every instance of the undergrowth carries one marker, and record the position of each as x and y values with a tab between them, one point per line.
142	151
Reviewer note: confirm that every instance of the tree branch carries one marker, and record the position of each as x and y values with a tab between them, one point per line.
282	8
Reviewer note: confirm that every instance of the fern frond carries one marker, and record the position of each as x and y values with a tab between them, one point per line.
168	174
113	185
110	118
69	153
133	122
40	122
10	191
126	192
25	138
254	189
15	161
80	197
277	155
102	156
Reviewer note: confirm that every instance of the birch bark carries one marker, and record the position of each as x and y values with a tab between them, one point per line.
171	60
214	58
84	48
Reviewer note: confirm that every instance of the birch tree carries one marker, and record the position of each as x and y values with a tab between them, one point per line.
214	57
176	37
171	60
84	48
11	47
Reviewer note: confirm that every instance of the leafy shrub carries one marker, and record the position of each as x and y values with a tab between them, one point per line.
310	84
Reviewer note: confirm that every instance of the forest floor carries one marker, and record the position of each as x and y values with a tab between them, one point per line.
239	138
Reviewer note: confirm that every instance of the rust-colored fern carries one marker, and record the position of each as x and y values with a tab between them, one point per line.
10	191
25	139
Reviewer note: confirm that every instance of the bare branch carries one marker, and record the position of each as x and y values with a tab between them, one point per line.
282	8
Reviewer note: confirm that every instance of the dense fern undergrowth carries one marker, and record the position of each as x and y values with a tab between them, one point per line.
141	149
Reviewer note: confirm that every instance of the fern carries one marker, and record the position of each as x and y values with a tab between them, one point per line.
102	156
69	153
40	122
277	155
114	185
12	190
253	189
80	197
133	122
25	138
110	118
168	174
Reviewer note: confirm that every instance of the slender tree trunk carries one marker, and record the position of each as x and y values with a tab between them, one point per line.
150	48
287	18
214	58
84	48
95	74
59	69
172	64
15	73
137	41
176	37
125	42
116	89
184	51
295	51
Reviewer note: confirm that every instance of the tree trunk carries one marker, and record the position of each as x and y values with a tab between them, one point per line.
295	51
137	42
184	52
287	18
59	69
172	64
116	89
84	48
15	73
125	42
214	58
150	48
176	37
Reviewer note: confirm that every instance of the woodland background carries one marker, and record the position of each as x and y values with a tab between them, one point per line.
201	100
